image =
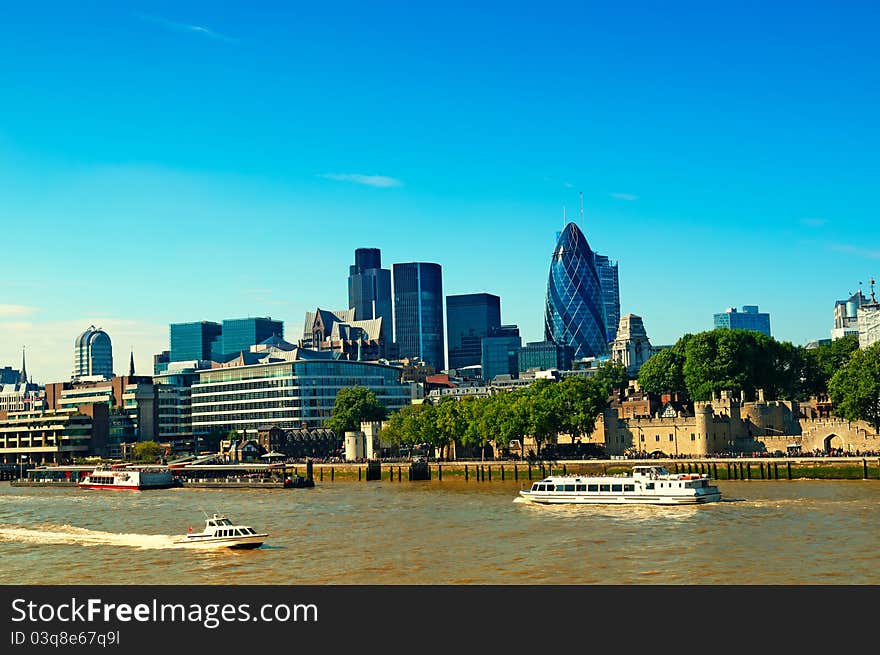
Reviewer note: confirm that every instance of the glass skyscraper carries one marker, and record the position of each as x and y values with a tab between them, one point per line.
418	312
191	341
469	318
501	352
369	288
575	312
748	319
610	284
242	333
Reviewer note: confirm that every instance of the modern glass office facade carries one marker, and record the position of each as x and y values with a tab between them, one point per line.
500	352
469	318
418	312
545	355
287	394
748	319
242	333
191	341
369	288
93	354
610	284
574	313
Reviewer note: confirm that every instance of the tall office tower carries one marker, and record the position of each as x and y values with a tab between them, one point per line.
574	313
242	333
418	312
501	352
191	341
469	318
610	285
92	354
748	319
369	287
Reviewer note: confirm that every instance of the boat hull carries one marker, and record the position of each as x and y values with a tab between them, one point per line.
236	543
575	499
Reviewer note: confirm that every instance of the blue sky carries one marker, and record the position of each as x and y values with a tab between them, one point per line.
176	161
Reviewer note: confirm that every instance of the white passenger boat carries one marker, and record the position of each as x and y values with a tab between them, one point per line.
652	485
128	477
220	532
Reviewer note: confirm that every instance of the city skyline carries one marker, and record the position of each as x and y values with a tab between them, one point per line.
153	168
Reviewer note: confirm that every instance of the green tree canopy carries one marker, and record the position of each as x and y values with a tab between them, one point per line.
663	372
725	360
855	388
147	451
820	364
610	376
353	405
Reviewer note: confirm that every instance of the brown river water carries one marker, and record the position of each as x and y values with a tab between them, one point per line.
449	532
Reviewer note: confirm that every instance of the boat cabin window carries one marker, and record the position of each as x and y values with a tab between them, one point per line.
649	485
568	487
616	487
580	487
629	487
550	487
535	487
592	487
604	487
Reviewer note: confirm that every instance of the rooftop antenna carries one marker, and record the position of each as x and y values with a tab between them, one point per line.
873	299
563	217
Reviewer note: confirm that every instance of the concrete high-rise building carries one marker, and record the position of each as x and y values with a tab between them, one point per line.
500	354
574	312
610	285
92	355
748	319
369	287
418	312
194	341
469	318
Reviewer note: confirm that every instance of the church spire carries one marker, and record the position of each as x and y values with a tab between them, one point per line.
131	365
23	379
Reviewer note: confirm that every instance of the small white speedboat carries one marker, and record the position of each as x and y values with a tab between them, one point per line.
220	532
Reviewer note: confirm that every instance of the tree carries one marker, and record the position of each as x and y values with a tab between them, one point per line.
580	401
353	405
610	376
820	364
855	388
663	372
147	451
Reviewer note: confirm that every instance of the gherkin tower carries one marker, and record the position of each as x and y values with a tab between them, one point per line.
575	313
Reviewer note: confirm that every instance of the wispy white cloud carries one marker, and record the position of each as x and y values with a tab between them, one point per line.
624	196
814	222
381	181
15	310
49	344
185	27
854	250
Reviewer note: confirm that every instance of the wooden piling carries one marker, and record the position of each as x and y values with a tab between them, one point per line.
762	470
502	472
332	475
515	473
398	474
321	473
728	470
775	470
564	470
748	470
490	473
465	473
530	471
864	469
359	473
440	472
